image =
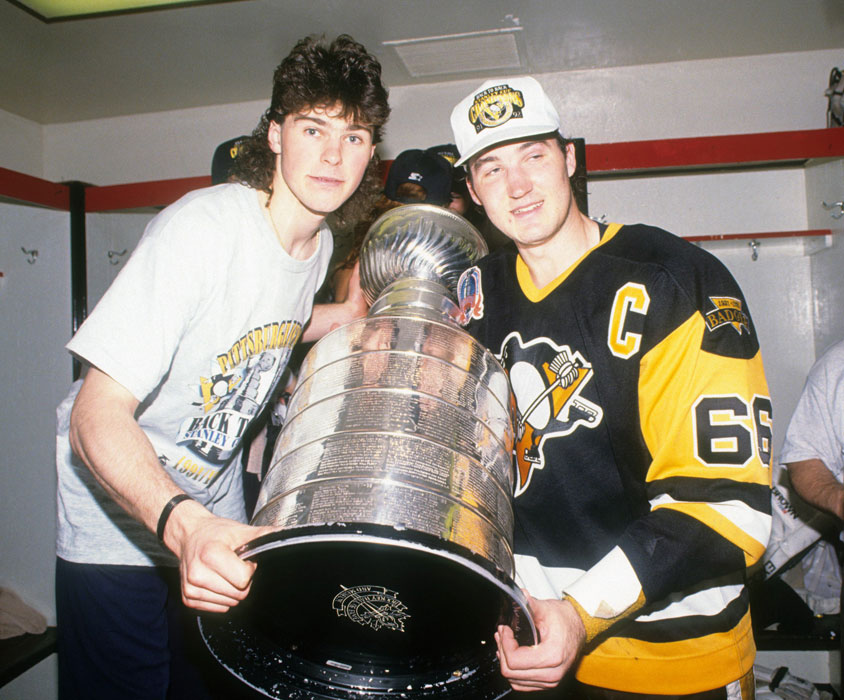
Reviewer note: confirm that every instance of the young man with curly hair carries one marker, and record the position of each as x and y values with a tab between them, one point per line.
181	355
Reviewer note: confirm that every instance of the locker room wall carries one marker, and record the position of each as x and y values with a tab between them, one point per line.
111	238
34	376
778	92
36	371
34	325
824	184
21	144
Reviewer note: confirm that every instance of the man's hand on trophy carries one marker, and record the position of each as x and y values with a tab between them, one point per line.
542	665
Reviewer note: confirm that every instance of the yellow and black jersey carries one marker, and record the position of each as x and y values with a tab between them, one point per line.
643	451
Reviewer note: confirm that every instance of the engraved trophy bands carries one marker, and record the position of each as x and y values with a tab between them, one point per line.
391	487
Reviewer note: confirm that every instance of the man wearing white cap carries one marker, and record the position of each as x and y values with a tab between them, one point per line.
643	442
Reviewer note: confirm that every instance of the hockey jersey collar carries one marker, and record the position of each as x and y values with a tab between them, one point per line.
534	293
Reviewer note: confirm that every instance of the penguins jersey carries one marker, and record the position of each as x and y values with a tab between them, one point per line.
643	451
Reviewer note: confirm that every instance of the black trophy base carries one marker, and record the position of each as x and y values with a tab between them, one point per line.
346	612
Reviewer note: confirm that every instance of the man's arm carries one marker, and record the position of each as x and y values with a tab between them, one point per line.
107	438
327	317
562	636
817	485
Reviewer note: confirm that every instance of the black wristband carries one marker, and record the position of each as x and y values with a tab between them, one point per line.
165	513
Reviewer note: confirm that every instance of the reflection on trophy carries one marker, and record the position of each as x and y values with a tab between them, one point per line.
391	486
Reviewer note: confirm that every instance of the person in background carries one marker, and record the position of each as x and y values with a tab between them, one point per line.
181	355
643	425
813	450
223	160
414	177
461	202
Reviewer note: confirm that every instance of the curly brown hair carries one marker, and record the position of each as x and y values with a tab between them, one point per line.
318	74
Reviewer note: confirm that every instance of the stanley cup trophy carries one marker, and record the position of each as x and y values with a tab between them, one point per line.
390	486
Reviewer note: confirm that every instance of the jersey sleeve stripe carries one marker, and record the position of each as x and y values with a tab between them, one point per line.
757	525
706	602
715	490
746	529
618	664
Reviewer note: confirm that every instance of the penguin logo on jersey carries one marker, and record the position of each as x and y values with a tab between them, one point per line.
547	381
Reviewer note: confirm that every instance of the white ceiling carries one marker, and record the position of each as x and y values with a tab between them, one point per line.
226	53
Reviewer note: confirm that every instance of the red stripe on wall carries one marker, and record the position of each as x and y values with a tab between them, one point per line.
33	190
601	158
715	150
141	195
760	235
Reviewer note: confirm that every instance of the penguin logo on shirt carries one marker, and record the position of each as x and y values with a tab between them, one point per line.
547	381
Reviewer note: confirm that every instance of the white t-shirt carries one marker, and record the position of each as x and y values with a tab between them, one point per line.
198	326
816	430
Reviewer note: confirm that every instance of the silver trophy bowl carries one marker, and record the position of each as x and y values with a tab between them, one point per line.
390	486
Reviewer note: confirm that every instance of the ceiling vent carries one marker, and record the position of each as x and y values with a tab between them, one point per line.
470	52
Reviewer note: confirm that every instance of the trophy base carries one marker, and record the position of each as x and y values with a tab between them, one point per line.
351	611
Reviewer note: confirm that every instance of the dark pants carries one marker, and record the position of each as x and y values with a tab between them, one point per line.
123	632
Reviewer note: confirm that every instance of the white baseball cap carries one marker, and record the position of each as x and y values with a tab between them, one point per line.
501	110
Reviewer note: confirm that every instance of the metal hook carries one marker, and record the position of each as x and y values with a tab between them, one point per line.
754	249
835	205
33	255
114	256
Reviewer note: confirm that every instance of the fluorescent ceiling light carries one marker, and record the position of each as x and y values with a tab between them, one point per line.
56	10
470	52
